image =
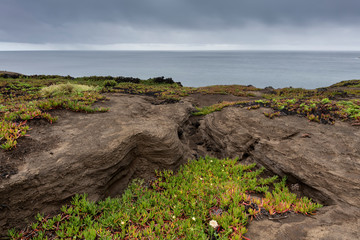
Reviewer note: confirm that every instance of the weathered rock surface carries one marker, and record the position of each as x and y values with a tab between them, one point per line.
95	154
100	153
324	160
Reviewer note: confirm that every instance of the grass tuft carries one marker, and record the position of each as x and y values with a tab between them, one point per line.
65	89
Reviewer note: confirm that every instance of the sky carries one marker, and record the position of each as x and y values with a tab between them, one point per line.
180	25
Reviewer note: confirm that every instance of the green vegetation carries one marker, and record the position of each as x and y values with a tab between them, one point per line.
317	110
236	90
316	105
320	93
207	199
161	91
216	107
65	89
349	83
24	98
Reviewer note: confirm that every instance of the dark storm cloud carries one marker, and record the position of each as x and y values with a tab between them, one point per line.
116	21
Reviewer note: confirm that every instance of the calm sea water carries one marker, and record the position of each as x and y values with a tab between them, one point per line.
195	68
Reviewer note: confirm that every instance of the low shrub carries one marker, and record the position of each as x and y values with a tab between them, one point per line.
110	83
65	89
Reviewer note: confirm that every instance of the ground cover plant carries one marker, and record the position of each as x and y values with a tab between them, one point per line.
348	83
161	91
318	110
207	198
218	107
332	92
322	110
323	105
236	90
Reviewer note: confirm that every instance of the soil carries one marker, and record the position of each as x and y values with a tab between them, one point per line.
100	153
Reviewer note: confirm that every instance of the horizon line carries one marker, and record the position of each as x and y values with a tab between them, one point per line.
12	46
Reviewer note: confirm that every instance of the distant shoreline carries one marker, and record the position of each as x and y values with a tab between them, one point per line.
298	69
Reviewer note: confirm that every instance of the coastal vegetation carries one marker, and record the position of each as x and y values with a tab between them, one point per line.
207	198
317	110
23	98
323	106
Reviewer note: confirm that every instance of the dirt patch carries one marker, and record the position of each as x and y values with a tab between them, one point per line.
37	140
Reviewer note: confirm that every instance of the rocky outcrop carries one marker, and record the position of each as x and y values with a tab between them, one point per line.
323	160
99	154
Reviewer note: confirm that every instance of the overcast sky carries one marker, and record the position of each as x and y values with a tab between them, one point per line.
180	24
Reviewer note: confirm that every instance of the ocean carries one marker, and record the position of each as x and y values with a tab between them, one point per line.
305	69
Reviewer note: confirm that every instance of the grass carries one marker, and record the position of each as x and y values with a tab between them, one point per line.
216	107
65	89
207	199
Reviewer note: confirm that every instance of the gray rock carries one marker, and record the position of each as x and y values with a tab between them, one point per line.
326	167
97	154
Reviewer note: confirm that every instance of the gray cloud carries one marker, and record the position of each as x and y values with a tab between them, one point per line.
179	21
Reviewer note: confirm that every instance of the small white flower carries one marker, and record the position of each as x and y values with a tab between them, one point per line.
211	160
173	217
214	224
201	179
210	184
122	223
193	218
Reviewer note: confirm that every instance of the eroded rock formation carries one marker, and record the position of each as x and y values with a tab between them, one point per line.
96	154
323	160
99	154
